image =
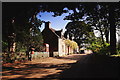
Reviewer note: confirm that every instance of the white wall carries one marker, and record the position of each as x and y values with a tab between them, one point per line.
61	47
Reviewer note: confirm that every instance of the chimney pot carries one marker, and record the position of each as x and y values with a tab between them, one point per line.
47	24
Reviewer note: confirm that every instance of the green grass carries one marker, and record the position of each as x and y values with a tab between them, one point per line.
117	55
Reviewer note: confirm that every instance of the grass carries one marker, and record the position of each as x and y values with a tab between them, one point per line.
117	55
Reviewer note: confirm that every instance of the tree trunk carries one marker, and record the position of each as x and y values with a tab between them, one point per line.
112	28
101	32
11	43
11	36
107	36
102	38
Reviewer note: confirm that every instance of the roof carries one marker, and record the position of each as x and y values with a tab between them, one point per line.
56	32
52	29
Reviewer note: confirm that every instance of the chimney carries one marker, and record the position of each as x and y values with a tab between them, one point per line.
47	24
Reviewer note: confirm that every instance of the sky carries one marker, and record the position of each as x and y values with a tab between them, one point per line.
57	23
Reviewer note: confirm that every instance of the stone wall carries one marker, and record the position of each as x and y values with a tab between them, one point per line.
55	54
38	55
22	56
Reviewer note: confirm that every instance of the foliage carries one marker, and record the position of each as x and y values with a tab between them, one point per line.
4	46
30	33
71	44
79	30
95	45
103	16
100	48
21	21
20	47
22	14
118	51
74	45
8	57
104	50
27	35
67	42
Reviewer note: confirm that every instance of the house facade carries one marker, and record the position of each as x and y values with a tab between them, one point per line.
56	41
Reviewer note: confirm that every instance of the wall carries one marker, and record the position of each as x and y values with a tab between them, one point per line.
68	50
55	54
38	55
61	47
51	39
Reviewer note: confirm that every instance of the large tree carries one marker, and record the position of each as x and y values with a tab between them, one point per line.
79	9
19	23
78	30
102	16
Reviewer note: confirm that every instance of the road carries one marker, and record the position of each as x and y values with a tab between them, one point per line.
70	66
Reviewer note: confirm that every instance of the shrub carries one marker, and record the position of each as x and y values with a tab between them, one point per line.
100	48
70	43
4	46
11	57
104	50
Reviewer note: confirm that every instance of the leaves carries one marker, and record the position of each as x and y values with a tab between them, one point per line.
79	30
71	44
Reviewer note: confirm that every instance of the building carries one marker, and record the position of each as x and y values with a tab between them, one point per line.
56	41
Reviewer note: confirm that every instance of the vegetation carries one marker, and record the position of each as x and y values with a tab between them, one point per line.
101	16
71	44
79	30
21	27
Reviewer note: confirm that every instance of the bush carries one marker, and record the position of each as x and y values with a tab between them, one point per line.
72	44
4	46
20	47
11	57
98	47
104	51
118	51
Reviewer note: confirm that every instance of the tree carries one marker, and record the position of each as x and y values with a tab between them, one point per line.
91	9
79	30
98	19
79	9
31	33
112	28
18	23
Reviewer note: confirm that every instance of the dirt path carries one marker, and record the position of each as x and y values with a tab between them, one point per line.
40	68
94	67
71	66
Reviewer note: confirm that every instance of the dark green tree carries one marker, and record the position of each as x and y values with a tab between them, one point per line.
18	20
79	30
80	10
102	14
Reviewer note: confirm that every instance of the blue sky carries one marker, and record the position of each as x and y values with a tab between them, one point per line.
56	22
